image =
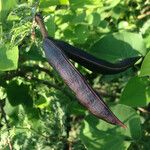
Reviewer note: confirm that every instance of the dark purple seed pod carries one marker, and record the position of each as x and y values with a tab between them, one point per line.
78	84
92	63
72	77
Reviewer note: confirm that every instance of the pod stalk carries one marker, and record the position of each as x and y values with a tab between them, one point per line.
39	20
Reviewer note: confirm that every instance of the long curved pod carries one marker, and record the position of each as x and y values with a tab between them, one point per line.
92	63
72	77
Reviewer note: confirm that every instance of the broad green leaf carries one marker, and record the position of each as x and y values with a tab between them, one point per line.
136	93
50	25
111	3
5	7
147	39
10	110
18	94
75	108
146	26
64	2
75	4
41	102
2	93
78	18
34	53
145	68
81	33
78	3
48	3
19	112
118	12
99	135
123	25
8	58
94	19
118	46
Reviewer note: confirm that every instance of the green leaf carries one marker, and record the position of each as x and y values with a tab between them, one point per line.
48	3
78	18
10	110
75	4
147	40
118	46
41	102
8	58
34	53
94	19
78	3
136	93
18	94
50	25
75	108
81	33
64	2
99	135
145	68
111	3
5	7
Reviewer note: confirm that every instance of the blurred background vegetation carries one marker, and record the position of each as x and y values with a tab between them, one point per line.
38	111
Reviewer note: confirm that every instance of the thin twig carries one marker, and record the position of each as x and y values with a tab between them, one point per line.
145	9
143	15
143	110
9	143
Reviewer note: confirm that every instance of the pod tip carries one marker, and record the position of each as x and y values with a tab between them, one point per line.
121	124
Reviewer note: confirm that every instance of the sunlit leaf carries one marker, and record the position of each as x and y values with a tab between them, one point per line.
48	3
5	7
145	68
99	135
64	2
8	58
119	46
136	93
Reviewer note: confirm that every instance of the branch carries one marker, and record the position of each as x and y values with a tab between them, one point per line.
143	15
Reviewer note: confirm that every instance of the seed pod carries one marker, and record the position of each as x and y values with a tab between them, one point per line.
71	76
92	63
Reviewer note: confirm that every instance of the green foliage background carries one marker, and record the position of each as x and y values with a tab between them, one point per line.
38	111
